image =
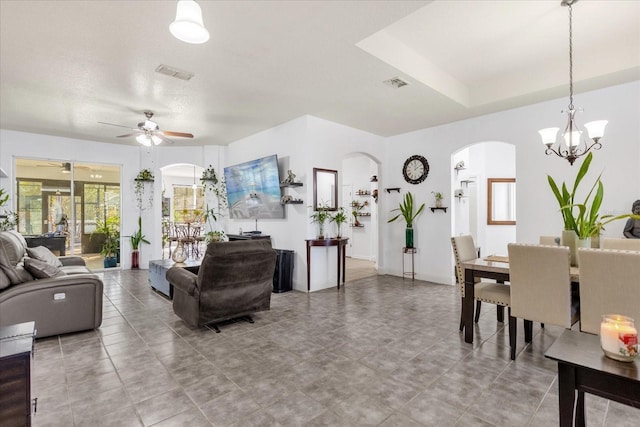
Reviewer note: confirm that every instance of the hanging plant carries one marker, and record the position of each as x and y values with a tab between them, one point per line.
144	176
209	179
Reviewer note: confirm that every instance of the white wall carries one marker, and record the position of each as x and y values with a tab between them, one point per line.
536	207
309	142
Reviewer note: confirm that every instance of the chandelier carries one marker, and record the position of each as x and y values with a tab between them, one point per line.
573	143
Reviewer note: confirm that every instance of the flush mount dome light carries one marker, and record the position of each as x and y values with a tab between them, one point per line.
188	26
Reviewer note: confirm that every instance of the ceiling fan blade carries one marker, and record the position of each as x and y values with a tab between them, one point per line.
180	134
163	138
129	134
112	124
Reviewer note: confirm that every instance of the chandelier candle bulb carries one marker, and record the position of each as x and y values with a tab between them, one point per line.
619	337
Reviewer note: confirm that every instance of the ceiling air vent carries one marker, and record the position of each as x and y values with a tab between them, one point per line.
174	72
395	82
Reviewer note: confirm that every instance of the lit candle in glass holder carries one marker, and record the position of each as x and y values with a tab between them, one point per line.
619	337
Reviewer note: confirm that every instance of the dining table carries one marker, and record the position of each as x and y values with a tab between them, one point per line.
494	267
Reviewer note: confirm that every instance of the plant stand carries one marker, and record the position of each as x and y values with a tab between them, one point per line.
407	273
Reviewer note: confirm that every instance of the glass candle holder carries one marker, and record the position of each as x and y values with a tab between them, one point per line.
619	337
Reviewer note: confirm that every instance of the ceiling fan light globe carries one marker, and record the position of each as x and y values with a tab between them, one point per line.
144	140
188	26
156	139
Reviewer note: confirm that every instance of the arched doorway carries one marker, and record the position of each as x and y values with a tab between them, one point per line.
472	167
359	201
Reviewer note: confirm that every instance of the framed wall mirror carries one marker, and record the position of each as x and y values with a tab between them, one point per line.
501	201
325	189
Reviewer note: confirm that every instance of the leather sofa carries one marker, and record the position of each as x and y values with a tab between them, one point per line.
68	301
235	279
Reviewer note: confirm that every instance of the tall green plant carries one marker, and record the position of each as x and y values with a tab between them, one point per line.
138	237
407	211
587	222
565	198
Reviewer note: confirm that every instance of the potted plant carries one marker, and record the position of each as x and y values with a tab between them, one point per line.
108	230
8	218
407	211
581	227
320	216
145	176
212	235
136	239
339	218
438	198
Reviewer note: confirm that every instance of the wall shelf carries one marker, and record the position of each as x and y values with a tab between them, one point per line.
442	208
293	202
389	190
356	226
291	184
466	181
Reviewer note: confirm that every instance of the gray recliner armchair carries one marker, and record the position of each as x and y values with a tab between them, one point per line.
235	279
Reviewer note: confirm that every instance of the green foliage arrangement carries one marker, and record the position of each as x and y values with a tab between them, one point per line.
138	237
406	208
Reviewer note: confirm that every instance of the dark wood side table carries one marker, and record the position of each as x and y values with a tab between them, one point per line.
341	248
582	366
16	355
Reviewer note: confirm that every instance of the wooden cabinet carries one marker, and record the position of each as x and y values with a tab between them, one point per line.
16	355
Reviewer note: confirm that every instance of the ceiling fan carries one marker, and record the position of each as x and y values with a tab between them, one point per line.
148	132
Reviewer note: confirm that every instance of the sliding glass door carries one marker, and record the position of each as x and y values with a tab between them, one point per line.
45	190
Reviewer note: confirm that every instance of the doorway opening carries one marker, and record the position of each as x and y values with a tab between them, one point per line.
359	201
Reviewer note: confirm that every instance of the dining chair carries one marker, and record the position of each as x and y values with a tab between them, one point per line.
540	288
622	244
464	249
550	240
609	284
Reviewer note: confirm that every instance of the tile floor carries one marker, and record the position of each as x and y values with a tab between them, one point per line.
381	351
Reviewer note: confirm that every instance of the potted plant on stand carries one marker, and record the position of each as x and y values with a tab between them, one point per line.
339	218
407	211
212	235
136	239
320	216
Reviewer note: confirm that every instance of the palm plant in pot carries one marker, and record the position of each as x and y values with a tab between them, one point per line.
136	239
407	212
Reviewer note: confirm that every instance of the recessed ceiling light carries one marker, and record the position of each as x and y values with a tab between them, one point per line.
395	82
174	72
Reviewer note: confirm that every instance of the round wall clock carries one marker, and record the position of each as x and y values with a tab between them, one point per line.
415	169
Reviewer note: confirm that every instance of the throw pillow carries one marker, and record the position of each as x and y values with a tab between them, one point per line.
44	254
41	269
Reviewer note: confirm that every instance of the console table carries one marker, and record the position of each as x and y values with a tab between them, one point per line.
341	249
247	236
582	366
53	243
158	273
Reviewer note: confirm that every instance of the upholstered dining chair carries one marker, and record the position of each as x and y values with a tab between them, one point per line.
540	288
622	244
464	249
550	240
609	284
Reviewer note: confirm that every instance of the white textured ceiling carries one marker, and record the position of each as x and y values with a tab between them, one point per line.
66	65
